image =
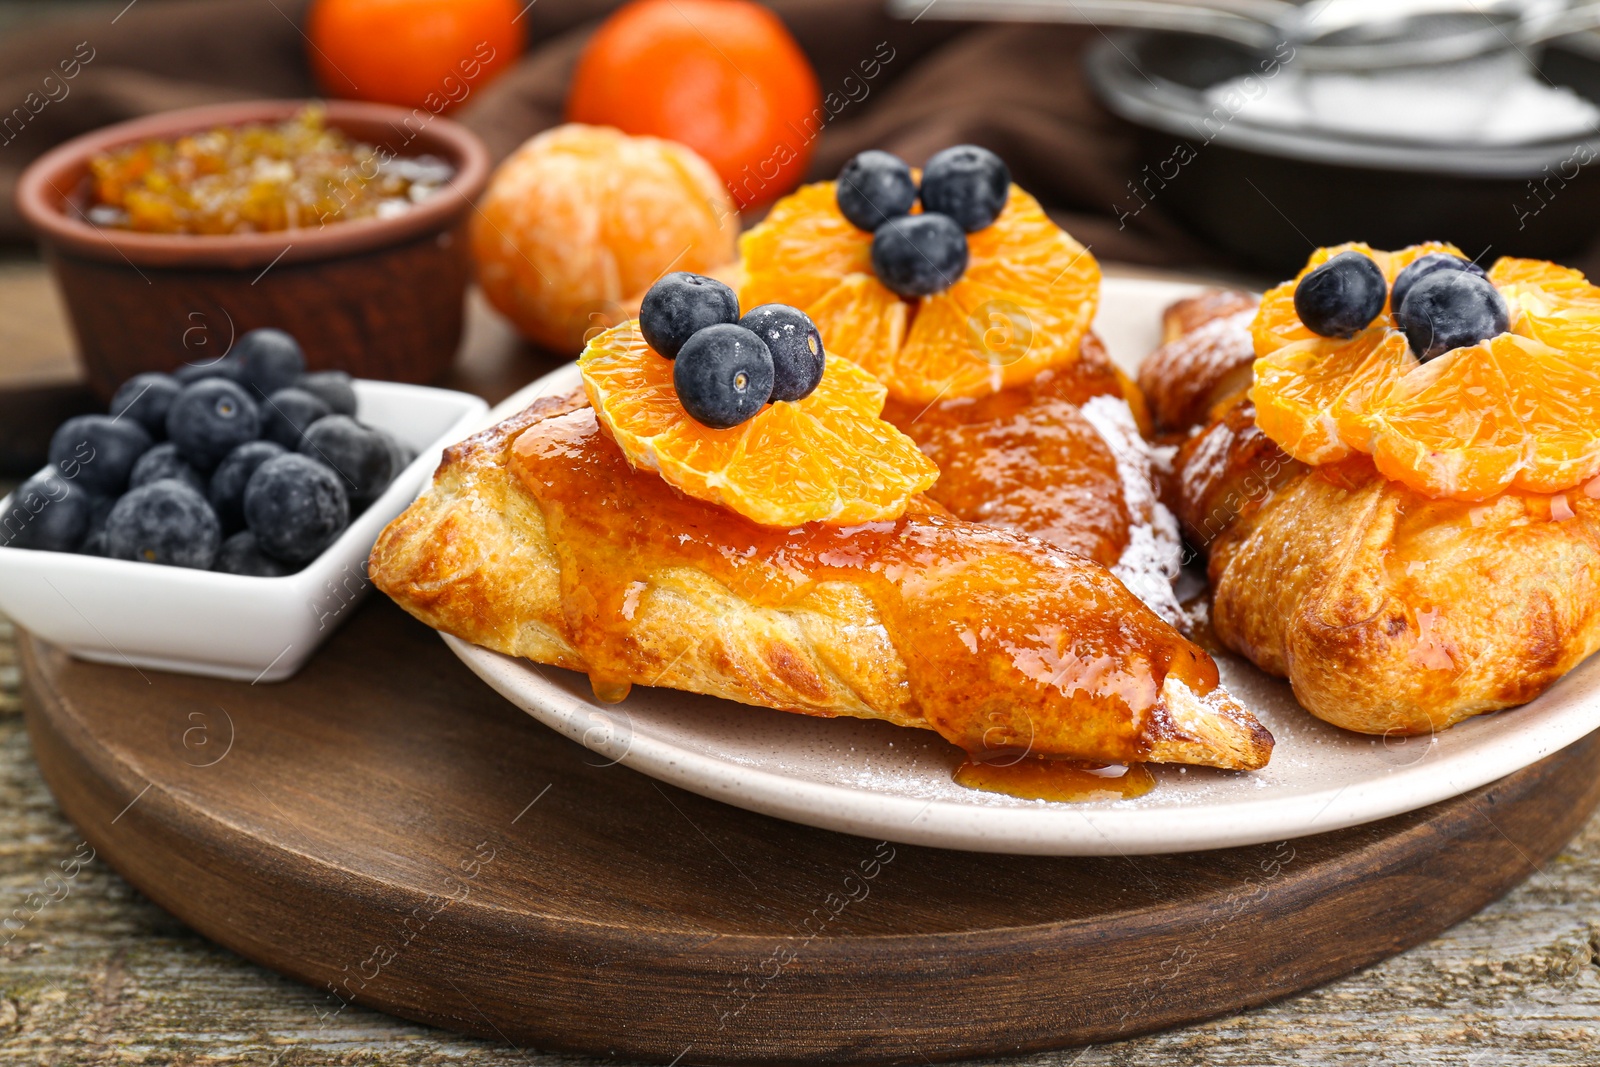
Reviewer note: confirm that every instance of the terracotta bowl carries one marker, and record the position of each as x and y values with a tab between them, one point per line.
380	298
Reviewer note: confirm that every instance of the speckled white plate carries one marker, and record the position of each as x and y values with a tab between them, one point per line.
882	781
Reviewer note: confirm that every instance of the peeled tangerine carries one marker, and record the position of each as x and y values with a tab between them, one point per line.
1022	306
1513	412
582	218
825	458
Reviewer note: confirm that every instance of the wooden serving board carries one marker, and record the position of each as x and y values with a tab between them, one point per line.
388	830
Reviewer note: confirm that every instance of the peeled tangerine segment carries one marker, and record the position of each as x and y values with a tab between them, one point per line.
1551	304
828	457
863	321
1312	396
973	339
802	250
1508	413
1023	304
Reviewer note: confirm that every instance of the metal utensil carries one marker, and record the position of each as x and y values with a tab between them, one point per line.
1351	35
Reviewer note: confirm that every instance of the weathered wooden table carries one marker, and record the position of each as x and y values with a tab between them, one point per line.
98	975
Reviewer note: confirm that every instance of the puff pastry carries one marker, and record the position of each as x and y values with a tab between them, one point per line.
538	540
1388	611
1204	358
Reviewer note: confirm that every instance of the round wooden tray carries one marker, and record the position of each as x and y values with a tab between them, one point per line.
388	830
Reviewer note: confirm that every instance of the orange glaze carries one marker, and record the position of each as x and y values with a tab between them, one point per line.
1070	781
1026	459
1008	644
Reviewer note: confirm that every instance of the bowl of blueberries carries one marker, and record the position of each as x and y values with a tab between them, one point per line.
217	520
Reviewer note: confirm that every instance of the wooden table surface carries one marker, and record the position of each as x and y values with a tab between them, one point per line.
99	975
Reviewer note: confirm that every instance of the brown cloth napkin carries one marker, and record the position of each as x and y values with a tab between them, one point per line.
1016	89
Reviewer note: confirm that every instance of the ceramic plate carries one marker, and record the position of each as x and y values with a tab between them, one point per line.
883	781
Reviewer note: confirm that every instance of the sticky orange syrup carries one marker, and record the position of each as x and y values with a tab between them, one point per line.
947	592
1059	475
1063	781
609	690
256	178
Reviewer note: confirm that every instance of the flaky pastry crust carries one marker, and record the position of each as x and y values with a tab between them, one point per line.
1388	611
1204	357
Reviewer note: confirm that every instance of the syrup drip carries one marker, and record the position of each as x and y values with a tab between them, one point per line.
610	690
1068	781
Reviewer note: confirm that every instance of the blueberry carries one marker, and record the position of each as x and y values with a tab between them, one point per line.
1451	309
1341	297
796	348
163	461
48	513
95	543
399	454
145	398
190	373
286	414
723	375
1420	268
680	305
968	183
333	387
358	455
210	419
873	188
919	255
99	512
268	360
240	554
97	452
296	507
228	481
164	522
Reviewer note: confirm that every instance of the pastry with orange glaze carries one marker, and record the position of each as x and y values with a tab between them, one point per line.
604	533
997	377
1410	543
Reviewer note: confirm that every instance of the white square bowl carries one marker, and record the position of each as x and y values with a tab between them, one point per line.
228	625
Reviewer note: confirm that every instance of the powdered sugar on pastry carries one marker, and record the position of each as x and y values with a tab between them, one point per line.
1221	344
1153	557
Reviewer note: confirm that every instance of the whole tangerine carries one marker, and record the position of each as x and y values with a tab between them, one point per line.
724	77
582	218
429	54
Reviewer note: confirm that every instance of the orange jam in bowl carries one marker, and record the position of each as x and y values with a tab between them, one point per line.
256	178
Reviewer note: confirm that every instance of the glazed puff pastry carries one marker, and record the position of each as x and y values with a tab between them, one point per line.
537	539
1388	611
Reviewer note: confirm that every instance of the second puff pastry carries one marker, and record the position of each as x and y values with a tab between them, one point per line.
1388	611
